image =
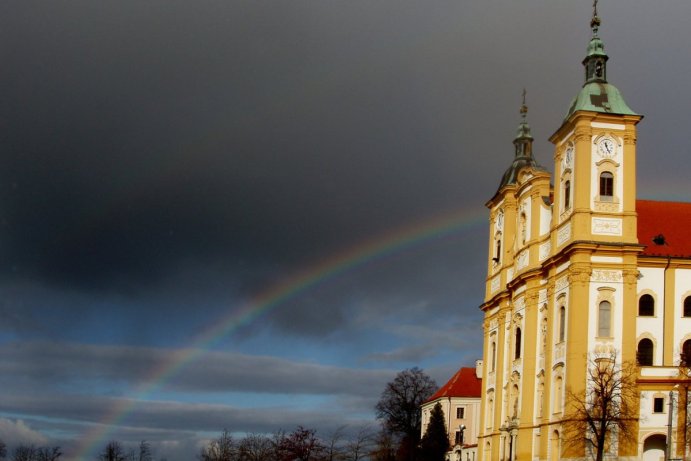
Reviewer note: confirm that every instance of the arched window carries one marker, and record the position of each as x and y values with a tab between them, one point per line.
562	323
686	354
497	254
645	352
518	344
606	186
604	316
687	306
567	195
646	306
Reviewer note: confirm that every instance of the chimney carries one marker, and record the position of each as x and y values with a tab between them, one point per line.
478	369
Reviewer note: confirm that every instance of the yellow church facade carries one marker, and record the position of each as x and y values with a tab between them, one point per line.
579	270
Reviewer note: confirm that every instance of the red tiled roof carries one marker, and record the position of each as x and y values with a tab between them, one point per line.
463	384
669	220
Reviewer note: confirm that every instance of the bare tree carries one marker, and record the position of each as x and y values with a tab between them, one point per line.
360	446
603	413
113	451
399	407
47	454
32	453
220	449
145	451
256	447
333	448
300	445
385	448
24	453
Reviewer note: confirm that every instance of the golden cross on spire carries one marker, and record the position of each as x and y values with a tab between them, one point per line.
524	108
595	22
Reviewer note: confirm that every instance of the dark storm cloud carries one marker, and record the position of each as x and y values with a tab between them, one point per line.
370	296
138	137
162	163
179	416
410	284
431	339
48	364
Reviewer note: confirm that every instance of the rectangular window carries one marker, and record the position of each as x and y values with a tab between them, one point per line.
658	405
606	186
567	195
460	412
458	438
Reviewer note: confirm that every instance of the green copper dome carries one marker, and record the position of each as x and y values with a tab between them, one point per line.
523	156
600	97
597	95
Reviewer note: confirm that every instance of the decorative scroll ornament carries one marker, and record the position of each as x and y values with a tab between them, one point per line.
606	276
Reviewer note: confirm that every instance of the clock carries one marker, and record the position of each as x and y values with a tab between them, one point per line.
606	148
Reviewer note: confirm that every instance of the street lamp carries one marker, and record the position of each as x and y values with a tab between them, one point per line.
461	429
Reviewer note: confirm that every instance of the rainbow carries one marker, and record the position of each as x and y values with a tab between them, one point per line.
360	255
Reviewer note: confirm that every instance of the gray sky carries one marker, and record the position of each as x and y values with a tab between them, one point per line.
164	165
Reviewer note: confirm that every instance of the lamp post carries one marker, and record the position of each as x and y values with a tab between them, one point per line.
668	450
461	429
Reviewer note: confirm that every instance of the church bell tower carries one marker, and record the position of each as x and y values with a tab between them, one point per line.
561	271
595	159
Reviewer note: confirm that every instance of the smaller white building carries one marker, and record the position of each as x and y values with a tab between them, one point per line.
460	400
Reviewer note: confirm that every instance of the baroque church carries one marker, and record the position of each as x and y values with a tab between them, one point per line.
581	273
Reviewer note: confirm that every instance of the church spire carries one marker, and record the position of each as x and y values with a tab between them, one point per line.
523	145
523	140
597	95
596	59
595	22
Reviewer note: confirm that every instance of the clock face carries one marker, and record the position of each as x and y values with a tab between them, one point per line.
606	148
